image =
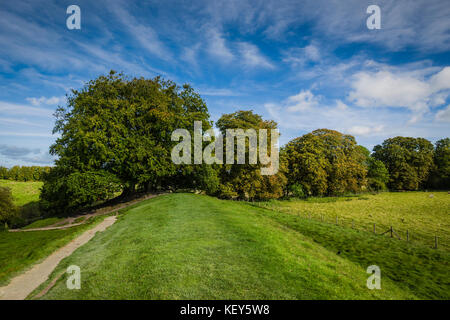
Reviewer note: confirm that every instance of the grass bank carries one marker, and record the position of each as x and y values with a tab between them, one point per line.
423	214
185	246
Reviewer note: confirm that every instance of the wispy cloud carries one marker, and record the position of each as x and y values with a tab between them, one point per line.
47	101
19	109
443	115
146	35
252	56
218	48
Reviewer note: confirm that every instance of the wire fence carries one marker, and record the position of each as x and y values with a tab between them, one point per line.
433	241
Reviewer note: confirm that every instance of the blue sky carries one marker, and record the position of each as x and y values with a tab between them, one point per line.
305	64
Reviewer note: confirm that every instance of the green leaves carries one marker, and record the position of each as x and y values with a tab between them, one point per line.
245	181
7	208
408	160
63	195
325	162
122	126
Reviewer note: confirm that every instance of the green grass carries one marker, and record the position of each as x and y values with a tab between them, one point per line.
43	223
422	215
20	250
23	192
185	246
413	267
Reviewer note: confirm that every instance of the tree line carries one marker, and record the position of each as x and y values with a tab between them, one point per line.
24	173
115	139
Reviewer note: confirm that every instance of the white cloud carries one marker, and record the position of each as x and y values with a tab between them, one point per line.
252	57
218	92
443	115
21	122
146	36
189	55
27	134
12	108
341	106
47	101
387	88
218	48
421	24
365	130
302	101
300	56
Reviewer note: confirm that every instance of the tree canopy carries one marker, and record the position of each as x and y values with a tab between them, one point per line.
246	180
408	160
123	127
116	135
325	162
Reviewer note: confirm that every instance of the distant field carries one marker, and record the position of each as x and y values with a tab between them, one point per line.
424	214
185	246
23	192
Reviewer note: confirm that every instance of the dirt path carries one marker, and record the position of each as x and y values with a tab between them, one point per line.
69	222
21	286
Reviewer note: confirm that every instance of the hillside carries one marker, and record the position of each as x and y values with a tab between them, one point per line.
423	214
185	246
24	192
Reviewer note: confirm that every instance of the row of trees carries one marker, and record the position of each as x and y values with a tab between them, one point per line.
24	173
115	136
326	162
414	163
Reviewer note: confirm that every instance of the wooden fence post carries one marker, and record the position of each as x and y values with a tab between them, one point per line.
353	224
374	228
392	232
435	242
407	235
337	220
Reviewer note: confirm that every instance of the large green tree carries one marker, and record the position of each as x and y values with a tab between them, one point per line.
325	162
245	181
123	126
408	160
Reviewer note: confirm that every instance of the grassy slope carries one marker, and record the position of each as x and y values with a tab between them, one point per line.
20	250
23	192
43	223
422	215
418	268
185	246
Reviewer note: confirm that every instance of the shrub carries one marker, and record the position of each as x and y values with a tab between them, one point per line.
296	190
66	194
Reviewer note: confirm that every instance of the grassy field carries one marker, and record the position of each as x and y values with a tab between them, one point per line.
20	250
185	246
23	192
413	267
424	214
